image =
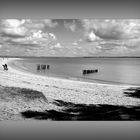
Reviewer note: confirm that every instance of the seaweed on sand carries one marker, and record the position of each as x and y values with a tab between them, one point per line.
72	111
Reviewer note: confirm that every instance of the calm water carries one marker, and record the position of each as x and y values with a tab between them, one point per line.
115	70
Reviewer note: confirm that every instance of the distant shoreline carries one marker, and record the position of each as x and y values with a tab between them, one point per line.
69	57
88	80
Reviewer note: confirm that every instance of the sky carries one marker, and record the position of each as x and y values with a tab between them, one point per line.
70	37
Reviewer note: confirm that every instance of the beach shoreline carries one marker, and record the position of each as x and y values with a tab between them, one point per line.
24	77
52	88
21	69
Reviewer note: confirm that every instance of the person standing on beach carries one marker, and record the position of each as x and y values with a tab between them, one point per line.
6	67
48	66
4	64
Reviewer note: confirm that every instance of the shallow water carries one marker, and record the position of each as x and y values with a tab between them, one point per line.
114	70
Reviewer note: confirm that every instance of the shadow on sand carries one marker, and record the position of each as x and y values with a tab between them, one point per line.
133	92
73	112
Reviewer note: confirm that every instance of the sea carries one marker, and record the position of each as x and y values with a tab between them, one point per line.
114	70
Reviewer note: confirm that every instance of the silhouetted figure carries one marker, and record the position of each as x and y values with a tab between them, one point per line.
89	71
96	70
84	72
38	67
5	67
48	67
43	67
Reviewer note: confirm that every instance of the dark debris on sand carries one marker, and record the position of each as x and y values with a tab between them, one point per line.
73	111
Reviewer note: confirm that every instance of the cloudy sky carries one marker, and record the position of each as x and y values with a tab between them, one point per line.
70	37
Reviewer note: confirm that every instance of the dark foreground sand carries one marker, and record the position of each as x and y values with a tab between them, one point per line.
13	101
25	104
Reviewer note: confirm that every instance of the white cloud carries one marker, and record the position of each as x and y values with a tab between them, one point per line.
50	23
37	34
13	27
133	43
75	43
52	36
113	29
89	23
98	47
33	24
70	25
115	36
92	37
36	37
12	23
54	45
30	31
80	40
15	31
119	50
99	36
58	45
24	26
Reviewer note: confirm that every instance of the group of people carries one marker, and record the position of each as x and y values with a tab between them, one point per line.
42	67
4	64
5	67
90	71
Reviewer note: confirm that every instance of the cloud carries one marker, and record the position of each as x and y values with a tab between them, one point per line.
22	27
78	42
90	37
113	36
94	37
6	35
27	31
113	29
12	23
36	37
89	24
33	24
75	43
13	27
58	45
133	43
50	23
119	50
108	46
55	45
52	36
70	25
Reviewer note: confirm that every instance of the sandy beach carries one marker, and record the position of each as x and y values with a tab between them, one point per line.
67	90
